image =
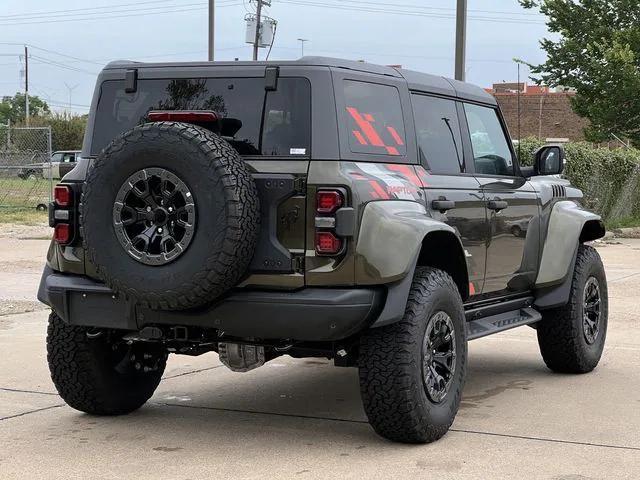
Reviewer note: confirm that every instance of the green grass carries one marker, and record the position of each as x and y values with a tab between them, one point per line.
624	222
23	216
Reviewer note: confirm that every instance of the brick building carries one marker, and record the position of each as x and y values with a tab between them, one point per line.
544	112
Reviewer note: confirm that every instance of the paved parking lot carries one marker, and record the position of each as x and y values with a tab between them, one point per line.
303	419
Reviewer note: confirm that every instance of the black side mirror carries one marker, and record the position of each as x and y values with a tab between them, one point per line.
549	160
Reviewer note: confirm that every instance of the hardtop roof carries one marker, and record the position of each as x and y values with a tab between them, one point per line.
415	80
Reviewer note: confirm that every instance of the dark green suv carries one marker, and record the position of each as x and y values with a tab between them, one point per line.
315	208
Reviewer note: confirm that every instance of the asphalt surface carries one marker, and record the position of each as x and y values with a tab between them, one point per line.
303	418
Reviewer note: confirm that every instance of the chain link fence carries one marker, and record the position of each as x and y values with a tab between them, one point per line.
26	170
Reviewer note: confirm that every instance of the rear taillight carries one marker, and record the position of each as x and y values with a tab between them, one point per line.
62	195
328	202
62	215
327	243
62	233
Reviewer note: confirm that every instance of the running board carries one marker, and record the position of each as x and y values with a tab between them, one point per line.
501	322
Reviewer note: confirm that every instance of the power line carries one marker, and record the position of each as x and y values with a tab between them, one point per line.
356	8
47	61
120	14
155	2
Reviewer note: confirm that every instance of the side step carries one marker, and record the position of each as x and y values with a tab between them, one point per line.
501	322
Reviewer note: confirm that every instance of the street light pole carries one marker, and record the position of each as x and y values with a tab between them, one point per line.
302	40
212	18
26	85
461	40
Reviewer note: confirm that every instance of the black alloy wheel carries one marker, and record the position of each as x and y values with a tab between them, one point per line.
154	216
439	356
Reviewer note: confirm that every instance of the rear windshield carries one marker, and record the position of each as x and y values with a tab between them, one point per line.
256	121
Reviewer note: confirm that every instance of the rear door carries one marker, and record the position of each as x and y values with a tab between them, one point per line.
454	195
511	204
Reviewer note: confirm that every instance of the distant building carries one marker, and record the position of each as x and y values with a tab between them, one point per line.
544	112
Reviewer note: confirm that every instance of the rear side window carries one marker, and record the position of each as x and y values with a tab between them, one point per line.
374	119
255	121
438	134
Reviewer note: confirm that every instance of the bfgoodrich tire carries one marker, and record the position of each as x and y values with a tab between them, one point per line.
571	337
97	373
170	215
412	372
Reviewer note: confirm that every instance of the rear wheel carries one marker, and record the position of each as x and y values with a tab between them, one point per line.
96	372
412	372
572	337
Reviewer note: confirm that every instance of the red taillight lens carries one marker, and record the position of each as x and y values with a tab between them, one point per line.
328	201
62	233
327	243
62	195
182	116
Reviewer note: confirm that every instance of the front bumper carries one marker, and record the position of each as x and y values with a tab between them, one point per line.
309	314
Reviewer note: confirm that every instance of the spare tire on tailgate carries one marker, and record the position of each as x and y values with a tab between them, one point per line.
170	215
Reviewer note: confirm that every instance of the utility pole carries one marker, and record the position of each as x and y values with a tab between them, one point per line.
26	85
302	40
212	18
70	89
461	39
258	29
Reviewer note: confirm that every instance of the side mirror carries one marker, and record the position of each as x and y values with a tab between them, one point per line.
549	160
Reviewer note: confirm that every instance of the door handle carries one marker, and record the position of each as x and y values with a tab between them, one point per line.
443	205
497	205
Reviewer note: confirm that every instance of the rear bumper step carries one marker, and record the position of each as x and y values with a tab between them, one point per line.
310	314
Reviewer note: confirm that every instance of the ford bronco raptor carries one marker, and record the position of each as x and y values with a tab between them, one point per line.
371	215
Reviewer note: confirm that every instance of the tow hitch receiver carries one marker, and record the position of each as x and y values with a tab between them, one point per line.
241	357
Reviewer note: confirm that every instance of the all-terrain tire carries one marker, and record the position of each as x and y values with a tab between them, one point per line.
226	205
91	377
391	365
561	337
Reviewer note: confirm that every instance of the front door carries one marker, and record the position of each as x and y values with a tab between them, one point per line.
453	195
511	205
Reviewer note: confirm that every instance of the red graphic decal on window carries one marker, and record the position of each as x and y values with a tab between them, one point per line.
472	289
359	137
392	150
366	127
395	135
369	118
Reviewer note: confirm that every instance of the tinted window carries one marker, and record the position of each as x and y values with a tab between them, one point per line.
491	152
438	133
240	101
374	119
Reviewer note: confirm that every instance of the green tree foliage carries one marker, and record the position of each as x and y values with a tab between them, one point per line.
13	108
596	50
67	131
609	178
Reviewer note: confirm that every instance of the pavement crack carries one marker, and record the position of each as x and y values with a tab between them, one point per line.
191	372
16	390
8	417
545	439
258	412
457	430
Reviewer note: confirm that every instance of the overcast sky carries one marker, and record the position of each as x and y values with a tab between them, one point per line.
418	34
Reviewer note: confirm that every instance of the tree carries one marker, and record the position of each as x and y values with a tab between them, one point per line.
67	130
13	108
596	51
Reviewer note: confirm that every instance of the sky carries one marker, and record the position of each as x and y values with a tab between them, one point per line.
70	40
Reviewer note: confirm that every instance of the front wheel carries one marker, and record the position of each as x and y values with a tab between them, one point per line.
412	372
571	337
98	373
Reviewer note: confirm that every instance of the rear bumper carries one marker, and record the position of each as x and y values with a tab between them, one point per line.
309	314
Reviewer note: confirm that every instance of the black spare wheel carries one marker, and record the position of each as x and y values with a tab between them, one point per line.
170	215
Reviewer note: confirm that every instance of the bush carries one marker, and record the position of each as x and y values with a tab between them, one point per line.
67	131
609	178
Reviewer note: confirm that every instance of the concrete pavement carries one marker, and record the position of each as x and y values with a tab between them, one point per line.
303	418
